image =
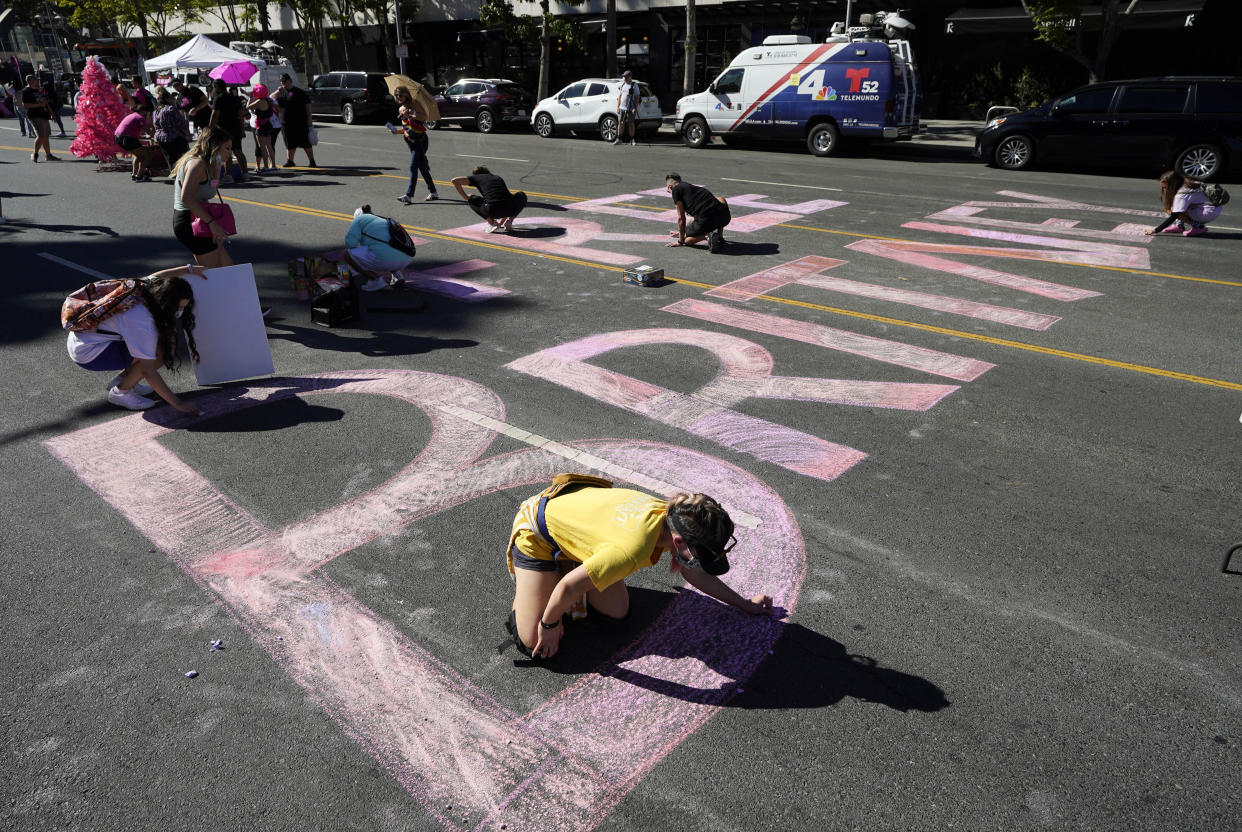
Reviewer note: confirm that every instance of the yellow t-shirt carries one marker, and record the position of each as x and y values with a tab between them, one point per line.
610	531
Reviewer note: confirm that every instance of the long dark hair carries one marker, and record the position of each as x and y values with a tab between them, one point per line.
1170	183
163	297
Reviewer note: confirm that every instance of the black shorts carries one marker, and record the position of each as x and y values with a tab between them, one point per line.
499	210
184	233
128	143
267	130
714	220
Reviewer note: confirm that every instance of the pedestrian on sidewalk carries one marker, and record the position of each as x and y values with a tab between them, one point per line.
414	129
1187	205
627	107
709	212
580	538
495	204
266	124
137	341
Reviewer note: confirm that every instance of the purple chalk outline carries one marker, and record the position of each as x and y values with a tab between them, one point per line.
939	303
915	255
922	359
561	767
771	214
745	372
573	244
1097	254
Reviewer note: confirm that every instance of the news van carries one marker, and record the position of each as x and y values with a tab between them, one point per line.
790	89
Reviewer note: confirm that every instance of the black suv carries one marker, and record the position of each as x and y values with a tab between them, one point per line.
1191	125
484	103
353	96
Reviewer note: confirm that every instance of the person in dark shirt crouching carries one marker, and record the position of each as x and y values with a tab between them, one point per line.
495	204
710	214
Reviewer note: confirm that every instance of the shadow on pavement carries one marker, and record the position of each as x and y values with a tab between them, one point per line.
278	415
369	343
805	669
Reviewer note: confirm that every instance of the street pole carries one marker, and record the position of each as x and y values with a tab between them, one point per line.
400	42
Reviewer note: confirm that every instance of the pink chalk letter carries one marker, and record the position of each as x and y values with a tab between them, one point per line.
562	766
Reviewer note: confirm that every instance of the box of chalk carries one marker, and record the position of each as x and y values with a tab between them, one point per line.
643	275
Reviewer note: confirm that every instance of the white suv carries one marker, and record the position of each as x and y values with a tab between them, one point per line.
590	105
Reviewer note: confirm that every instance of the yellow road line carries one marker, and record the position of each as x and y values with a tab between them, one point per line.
866	316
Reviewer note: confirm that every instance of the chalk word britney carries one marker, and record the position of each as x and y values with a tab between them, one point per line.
563	765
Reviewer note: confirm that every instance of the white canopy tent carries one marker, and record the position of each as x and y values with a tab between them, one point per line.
199	51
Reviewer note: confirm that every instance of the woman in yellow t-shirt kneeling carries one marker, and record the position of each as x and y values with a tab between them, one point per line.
581	537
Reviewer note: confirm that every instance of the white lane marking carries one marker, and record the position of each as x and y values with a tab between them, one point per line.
70	264
781	184
655	486
500	158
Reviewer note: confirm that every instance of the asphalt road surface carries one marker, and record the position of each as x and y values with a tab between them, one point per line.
979	431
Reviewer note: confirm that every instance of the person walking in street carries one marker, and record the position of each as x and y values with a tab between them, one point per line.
226	113
582	537
1188	207
196	181
414	129
172	131
54	103
14	95
136	342
709	212
295	119
627	107
39	115
495	204
129	135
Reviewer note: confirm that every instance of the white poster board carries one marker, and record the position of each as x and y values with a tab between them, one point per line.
229	329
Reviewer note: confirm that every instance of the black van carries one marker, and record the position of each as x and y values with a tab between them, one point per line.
353	96
1189	124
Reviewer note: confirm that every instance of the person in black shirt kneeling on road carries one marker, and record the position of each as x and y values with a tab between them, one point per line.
710	214
496	205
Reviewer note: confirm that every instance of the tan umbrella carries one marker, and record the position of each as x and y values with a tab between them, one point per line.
425	99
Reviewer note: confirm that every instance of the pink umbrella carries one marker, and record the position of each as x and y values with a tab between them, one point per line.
234	72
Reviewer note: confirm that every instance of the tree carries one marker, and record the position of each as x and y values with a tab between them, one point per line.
99	112
691	42
153	19
1058	23
527	27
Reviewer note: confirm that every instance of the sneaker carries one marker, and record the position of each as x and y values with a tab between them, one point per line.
227	179
1176	228
633	143
395	279
405	200
141	388
62	135
713	241
375	284
432	197
128	399
494	229
1194	231
145	177
289	164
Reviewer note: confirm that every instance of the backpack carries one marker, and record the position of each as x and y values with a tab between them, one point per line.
1216	195
84	309
398	237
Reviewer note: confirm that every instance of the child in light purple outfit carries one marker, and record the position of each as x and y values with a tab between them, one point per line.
1188	207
